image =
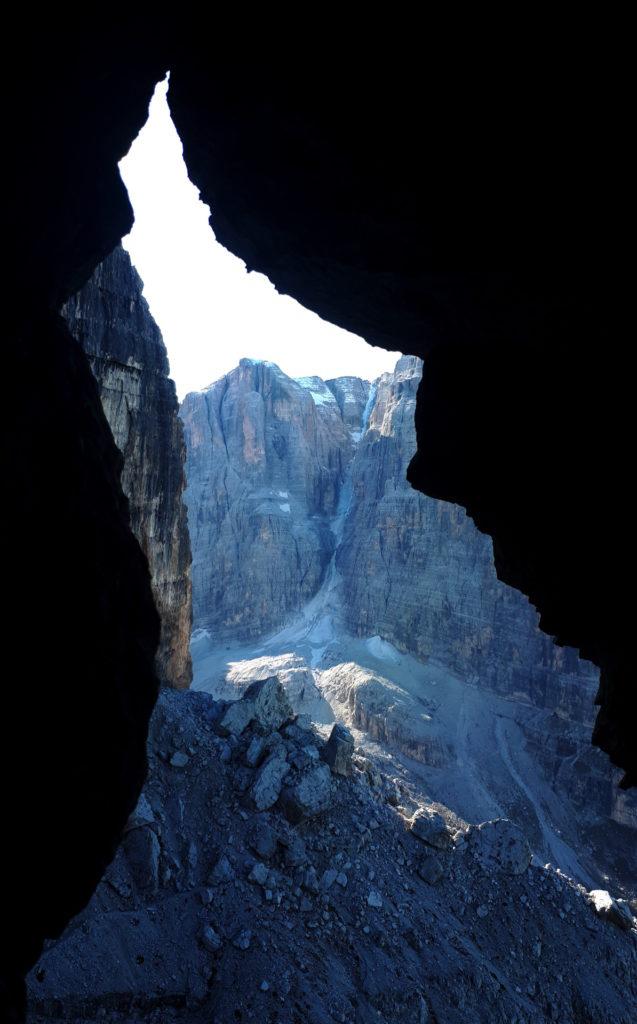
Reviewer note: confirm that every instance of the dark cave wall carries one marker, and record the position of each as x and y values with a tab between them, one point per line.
83	631
79	615
110	318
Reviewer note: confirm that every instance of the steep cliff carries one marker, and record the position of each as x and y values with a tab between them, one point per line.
282	473
417	572
111	320
266	461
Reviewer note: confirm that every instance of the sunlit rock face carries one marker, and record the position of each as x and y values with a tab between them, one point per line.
267	456
112	321
419	573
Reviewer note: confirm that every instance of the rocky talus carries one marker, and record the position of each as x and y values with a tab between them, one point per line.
111	320
271	873
267	457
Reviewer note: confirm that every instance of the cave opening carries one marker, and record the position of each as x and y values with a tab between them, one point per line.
213	311
313	560
453	711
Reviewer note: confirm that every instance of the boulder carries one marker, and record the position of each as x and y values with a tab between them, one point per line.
142	815
338	750
500	845
209	939
263	841
142	849
222	871
616	911
264	703
255	751
310	795
431	828
267	785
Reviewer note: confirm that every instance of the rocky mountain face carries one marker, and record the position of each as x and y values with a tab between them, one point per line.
267	457
417	572
111	320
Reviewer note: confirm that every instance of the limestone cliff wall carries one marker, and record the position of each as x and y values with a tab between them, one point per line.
266	461
112	321
417	572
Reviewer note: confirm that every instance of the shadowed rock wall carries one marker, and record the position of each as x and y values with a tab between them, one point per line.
111	320
417	572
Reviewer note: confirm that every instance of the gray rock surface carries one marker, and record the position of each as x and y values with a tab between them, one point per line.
417	572
500	845
410	640
266	462
431	827
267	785
469	948
111	320
338	750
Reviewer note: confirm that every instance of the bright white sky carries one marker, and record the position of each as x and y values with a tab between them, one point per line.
210	310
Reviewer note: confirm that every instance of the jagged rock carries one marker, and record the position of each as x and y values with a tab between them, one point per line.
310	879
236	719
264	841
158	955
328	878
310	795
222	872
266	456
271	705
616	911
142	849
265	703
500	845
338	750
431	827
142	815
295	852
446	601
110	318
210	939
430	869
255	751
267	785
351	393
259	873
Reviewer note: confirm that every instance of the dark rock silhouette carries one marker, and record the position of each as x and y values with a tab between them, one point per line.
111	320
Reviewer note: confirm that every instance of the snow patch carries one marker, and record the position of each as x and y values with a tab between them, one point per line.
383	650
285	507
319	391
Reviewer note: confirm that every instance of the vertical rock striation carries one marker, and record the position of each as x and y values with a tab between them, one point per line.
267	456
111	320
417	572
